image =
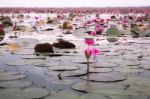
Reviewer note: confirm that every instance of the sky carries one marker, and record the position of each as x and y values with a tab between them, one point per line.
74	3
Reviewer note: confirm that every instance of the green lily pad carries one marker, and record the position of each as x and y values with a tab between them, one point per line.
144	90
116	92
15	84
128	97
17	63
12	96
63	95
105	77
94	96
35	92
12	93
32	57
89	86
63	68
49	64
104	65
73	73
63	82
81	61
10	90
100	70
130	57
137	81
128	70
125	62
111	54
5	76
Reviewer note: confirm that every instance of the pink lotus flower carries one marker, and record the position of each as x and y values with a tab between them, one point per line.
125	21
94	20
98	28
93	33
89	22
95	52
88	53
108	20
36	17
89	41
85	24
101	21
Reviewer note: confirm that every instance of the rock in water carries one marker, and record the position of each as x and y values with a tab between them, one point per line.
43	48
67	25
6	21
2	34
141	31
112	33
49	21
64	44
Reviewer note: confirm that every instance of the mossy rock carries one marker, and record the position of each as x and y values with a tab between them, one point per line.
113	32
6	21
112	39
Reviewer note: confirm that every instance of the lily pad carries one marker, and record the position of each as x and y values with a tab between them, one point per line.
25	52
3	73
137	81
12	93
130	57
74	73
35	61
147	67
63	95
32	57
94	96
89	86
51	54
49	64
116	92
125	62
130	63
104	65
5	76
63	68
35	92
15	84
128	97
10	90
144	90
143	41
63	82
81	61
128	70
100	70
12	96
17	63
111	54
105	77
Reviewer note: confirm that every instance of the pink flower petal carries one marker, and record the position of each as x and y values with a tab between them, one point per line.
89	41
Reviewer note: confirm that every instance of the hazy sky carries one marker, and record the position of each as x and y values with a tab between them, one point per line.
73	3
